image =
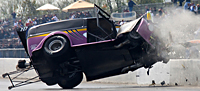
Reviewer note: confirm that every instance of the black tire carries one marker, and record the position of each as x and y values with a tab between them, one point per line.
56	46
134	35
71	80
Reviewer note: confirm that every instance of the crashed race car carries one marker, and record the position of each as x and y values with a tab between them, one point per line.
61	52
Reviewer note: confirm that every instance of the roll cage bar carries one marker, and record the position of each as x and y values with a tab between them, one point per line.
101	13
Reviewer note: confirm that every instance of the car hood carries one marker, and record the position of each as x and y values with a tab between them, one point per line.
127	27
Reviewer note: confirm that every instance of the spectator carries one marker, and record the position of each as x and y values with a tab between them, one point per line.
16	23
192	7
46	18
29	24
5	23
130	5
34	22
73	16
197	9
43	19
154	11
29	19
81	15
6	34
122	22
147	9
2	33
186	4
55	17
14	16
20	24
189	5
52	20
88	14
160	11
37	21
181	3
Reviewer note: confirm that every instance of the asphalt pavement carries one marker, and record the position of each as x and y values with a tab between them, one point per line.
93	86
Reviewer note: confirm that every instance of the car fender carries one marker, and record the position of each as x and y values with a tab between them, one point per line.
39	46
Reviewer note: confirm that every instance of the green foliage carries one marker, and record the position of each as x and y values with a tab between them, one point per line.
147	1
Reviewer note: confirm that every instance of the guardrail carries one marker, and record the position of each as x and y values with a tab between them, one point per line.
13	53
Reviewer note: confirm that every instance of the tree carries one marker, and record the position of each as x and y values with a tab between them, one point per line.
147	1
119	5
110	5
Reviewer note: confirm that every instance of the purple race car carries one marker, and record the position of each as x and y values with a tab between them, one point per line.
60	52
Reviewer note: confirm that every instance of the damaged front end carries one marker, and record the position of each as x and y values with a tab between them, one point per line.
144	45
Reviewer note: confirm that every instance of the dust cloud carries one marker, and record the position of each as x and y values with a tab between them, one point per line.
181	24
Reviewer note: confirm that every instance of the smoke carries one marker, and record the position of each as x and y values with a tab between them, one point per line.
181	24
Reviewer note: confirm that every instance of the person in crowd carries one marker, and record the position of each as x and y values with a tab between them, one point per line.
197	10
47	19
6	23
122	22
34	22
73	16
52	20
78	15
6	34
130	5
15	23
87	14
186	4
14	16
29	19
82	14
154	11
55	17
2	33
192	7
50	16
160	11
20	24
29	24
147	8
181	3
44	19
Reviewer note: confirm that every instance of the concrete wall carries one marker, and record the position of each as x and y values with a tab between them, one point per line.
180	71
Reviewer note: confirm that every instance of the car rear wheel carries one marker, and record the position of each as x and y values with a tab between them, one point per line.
70	80
56	46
